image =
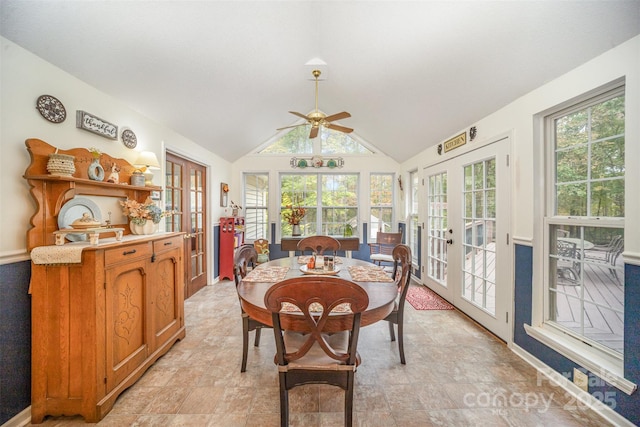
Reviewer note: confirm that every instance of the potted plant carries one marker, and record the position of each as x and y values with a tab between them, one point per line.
143	217
293	215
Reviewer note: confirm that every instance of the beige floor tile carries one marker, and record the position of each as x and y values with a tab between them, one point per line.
457	374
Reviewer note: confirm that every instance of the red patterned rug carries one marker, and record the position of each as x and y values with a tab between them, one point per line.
423	298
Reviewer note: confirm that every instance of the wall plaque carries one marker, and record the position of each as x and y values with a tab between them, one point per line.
455	142
96	125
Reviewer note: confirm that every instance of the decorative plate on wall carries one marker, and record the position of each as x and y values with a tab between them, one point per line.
129	138
51	108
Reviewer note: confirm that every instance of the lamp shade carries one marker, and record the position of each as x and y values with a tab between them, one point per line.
147	159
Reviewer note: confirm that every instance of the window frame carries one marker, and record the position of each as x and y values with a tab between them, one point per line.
413	239
262	207
319	206
599	361
381	207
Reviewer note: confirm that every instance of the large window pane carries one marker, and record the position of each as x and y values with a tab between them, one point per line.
585	292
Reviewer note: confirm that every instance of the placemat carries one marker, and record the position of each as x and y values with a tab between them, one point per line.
315	307
271	273
366	273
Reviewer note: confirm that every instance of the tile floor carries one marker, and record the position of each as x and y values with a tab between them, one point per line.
457	374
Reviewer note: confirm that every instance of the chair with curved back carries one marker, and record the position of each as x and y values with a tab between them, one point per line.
262	248
244	257
402	276
314	356
381	251
319	244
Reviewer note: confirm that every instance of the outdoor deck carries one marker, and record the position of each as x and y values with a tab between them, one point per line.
602	288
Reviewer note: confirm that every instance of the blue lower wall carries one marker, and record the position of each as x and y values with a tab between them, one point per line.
625	405
15	339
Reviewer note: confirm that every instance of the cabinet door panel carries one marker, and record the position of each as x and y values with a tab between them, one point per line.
127	337
166	295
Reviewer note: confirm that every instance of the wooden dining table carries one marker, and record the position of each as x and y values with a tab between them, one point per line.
381	291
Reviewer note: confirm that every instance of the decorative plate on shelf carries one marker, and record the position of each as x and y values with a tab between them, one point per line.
51	108
129	138
75	209
319	271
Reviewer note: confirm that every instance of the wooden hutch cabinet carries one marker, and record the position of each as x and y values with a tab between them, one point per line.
97	324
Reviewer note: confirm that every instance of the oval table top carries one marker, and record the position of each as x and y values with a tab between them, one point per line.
381	297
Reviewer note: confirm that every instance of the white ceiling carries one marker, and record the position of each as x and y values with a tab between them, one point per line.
225	73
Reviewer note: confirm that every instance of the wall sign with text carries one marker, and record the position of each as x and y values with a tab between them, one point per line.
96	125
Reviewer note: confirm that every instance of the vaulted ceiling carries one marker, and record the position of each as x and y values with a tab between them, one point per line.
226	73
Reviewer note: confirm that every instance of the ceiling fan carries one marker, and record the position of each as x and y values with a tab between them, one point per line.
318	118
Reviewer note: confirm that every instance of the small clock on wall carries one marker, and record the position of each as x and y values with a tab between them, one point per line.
129	138
51	108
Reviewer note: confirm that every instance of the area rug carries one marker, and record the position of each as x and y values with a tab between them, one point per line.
423	298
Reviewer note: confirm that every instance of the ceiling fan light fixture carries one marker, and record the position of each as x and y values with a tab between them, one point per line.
317	118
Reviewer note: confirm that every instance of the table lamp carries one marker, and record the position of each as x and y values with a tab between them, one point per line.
146	161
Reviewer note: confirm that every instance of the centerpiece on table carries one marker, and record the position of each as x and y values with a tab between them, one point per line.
143	217
293	215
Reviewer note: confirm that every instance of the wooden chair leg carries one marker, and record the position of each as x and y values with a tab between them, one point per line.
348	402
391	330
256	343
401	339
245	343
284	403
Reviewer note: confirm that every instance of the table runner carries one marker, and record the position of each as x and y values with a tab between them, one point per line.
272	273
373	273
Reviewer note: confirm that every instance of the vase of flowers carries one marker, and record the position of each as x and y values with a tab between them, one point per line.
293	215
143	217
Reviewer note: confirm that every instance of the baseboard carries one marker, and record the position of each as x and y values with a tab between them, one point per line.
581	396
20	420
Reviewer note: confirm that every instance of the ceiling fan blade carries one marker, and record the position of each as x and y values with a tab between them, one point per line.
294	126
337	116
338	128
299	115
314	132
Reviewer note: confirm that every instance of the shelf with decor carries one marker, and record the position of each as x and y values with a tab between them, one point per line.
231	237
51	192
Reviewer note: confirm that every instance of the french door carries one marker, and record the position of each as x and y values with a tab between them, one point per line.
185	193
468	254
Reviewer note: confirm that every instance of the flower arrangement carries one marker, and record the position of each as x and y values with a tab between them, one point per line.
294	214
95	152
139	213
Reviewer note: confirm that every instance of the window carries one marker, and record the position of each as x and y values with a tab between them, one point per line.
330	200
381	195
584	221
413	212
329	142
256	204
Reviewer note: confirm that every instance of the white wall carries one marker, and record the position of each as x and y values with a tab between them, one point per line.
517	118
24	77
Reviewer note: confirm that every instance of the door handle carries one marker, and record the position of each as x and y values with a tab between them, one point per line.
449	241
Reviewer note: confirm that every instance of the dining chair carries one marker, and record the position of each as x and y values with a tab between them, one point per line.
306	353
244	257
319	244
568	264
381	250
607	254
402	276
262	248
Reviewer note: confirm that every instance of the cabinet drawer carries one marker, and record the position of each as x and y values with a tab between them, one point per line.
127	253
167	244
